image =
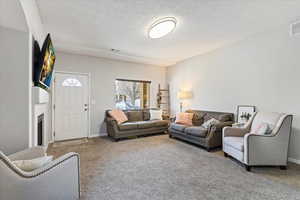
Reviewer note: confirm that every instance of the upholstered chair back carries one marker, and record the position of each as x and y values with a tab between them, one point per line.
271	118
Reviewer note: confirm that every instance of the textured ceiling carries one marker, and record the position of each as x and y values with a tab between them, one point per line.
93	27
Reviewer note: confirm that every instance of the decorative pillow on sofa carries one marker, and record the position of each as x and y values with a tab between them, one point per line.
198	117
118	115
263	129
210	123
156	114
184	118
30	165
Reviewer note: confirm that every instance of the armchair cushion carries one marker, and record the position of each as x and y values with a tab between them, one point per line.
30	165
267	117
263	129
233	131
235	142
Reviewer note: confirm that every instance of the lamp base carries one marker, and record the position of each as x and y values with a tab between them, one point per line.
181	106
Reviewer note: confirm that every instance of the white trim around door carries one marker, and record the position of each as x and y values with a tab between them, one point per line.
89	102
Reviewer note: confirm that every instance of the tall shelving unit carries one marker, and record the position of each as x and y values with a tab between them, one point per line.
163	100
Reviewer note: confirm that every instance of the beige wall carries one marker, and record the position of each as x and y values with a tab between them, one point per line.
103	74
263	70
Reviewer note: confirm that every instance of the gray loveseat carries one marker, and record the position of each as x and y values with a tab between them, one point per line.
207	138
138	124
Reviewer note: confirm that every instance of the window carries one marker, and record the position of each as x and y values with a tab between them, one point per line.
132	94
71	82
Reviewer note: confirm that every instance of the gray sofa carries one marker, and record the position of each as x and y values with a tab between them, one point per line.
208	138
138	124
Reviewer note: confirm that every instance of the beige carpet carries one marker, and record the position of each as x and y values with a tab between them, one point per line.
159	168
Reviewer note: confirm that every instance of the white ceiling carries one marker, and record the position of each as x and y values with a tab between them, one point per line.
93	27
12	15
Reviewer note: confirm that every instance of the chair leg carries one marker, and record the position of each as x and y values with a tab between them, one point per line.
170	136
248	168
283	167
225	154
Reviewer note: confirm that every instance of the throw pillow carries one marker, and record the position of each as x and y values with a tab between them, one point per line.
184	118
198	117
210	123
155	114
263	129
118	115
30	165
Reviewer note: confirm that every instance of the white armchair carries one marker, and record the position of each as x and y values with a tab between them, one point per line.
260	150
57	180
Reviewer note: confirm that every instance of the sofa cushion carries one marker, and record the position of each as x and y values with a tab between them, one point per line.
152	124
128	126
159	123
197	131
178	127
134	116
235	142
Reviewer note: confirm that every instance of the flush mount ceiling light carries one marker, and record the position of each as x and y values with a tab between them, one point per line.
162	27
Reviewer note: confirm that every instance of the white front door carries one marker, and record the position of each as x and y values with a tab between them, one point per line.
71	102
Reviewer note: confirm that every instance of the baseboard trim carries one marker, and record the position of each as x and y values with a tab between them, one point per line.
293	160
97	135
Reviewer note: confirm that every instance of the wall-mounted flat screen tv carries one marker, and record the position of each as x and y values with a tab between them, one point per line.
46	66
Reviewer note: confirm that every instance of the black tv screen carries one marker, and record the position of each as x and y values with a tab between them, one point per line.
47	62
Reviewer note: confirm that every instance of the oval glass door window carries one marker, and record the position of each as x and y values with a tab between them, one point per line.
71	82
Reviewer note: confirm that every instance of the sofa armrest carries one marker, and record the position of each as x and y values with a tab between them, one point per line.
234	132
112	126
28	154
221	125
263	150
269	149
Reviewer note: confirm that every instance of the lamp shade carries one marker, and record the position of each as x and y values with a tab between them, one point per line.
184	95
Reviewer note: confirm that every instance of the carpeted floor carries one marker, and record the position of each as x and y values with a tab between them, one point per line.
159	168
